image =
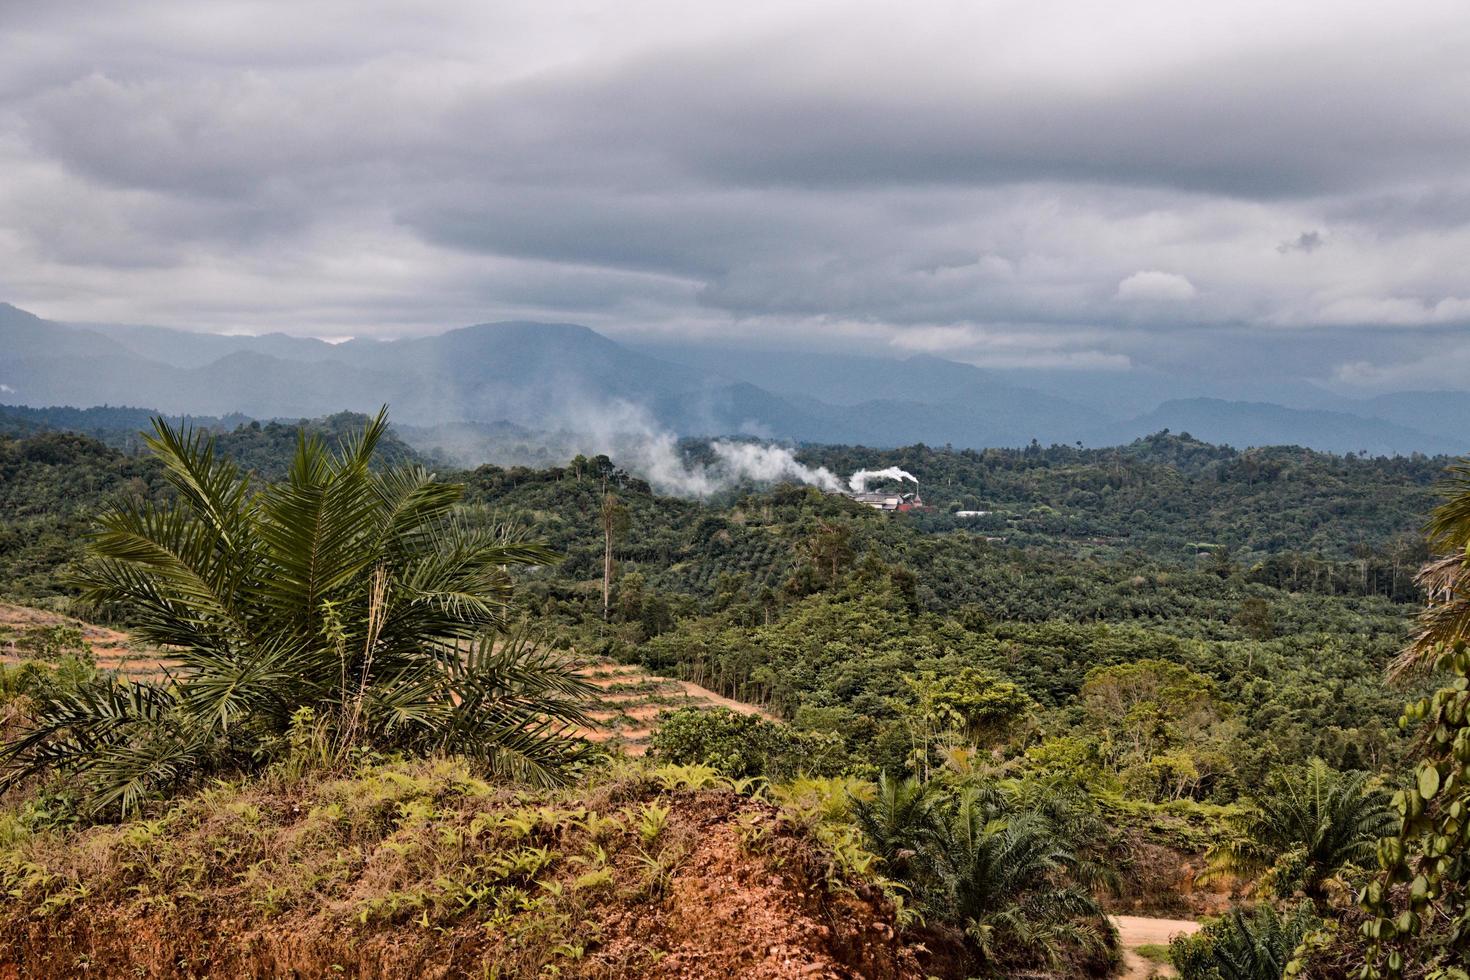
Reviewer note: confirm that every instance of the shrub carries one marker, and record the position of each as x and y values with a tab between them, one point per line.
745	745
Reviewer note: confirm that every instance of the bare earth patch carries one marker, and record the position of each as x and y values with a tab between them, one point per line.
633	699
113	649
353	877
1136	930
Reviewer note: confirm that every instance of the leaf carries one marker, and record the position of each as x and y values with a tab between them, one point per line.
1428	779
338	590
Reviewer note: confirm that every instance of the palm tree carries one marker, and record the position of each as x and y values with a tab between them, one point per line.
1445	580
898	823
614	522
1306	826
350	592
1241	947
1010	879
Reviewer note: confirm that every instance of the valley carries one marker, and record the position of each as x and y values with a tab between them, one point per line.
787	491
1117	654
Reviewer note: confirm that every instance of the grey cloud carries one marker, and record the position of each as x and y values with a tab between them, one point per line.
1307	241
976	182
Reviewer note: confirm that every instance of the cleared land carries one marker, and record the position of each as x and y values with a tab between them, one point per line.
632	699
1135	931
629	705
113	649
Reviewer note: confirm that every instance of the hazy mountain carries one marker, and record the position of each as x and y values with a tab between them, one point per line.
561	377
1243	424
117	426
1445	414
24	335
186	349
888	401
838	379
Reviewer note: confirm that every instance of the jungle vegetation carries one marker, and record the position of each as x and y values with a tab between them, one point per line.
1165	644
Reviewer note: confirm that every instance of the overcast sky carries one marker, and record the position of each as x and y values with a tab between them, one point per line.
1024	183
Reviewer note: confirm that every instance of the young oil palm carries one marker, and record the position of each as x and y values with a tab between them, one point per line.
351	592
899	822
1306	826
1011	881
1238	946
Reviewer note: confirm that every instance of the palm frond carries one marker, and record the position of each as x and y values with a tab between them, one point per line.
355	594
1445	580
1324	819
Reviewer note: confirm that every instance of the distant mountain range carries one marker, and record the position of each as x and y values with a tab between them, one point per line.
565	377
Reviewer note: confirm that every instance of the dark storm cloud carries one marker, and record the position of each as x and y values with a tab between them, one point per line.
1307	241
1016	183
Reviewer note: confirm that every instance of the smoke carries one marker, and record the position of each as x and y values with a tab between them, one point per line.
627	434
859	480
656	457
768	464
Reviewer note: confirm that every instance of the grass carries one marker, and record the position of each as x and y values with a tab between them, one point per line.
524	881
1155	953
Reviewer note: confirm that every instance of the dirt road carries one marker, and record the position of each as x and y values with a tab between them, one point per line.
1135	931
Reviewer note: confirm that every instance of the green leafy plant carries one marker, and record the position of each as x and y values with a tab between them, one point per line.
352	592
652	819
899	821
1008	879
1418	907
1303	827
1244	946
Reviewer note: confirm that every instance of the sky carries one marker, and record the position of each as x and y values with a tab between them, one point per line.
1252	187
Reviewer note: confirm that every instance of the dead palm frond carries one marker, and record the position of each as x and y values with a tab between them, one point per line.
1445	618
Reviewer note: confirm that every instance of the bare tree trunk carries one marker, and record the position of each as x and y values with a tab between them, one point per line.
609	526
606	569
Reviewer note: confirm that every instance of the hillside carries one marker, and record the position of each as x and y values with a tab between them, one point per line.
1247	424
28	634
1097	678
641	872
630	701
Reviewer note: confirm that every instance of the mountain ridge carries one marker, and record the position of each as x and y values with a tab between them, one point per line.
546	376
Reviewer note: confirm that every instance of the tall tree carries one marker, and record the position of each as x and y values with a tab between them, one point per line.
614	522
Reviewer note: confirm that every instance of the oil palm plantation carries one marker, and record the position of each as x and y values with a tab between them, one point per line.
1304	827
343	594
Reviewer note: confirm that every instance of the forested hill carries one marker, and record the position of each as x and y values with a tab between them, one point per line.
1244	567
264	447
1288	516
1172	495
54	481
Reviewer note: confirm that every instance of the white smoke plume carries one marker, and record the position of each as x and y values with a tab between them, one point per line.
629	435
859	480
768	464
